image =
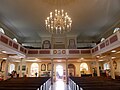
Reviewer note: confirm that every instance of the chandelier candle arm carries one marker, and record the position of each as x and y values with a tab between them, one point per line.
58	22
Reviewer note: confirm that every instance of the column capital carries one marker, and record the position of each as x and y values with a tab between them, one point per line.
7	59
66	58
52	58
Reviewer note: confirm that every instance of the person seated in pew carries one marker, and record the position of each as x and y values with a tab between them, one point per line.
70	74
13	74
1	77
36	74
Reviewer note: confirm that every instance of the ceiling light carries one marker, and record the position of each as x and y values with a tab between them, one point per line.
101	60
58	22
81	58
113	51
113	57
97	56
4	58
3	51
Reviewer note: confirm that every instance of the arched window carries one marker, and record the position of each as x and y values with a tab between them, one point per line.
116	29
106	66
11	68
15	39
34	69
83	67
2	31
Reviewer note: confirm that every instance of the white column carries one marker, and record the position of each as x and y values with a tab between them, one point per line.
112	70
98	70
67	71
79	70
6	69
52	71
52	42
21	67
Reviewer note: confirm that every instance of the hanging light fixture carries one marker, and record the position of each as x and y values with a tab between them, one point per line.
58	22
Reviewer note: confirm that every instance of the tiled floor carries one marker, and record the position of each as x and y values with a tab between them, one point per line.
59	85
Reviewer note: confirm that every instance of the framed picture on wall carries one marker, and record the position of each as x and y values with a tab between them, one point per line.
46	44
72	44
43	67
49	66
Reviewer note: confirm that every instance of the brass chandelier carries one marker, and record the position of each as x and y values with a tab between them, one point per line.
58	22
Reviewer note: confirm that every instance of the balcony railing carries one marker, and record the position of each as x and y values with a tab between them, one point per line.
109	42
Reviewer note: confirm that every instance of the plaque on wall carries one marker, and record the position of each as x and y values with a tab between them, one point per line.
43	67
46	44
72	44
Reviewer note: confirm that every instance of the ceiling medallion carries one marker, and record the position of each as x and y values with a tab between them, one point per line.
58	22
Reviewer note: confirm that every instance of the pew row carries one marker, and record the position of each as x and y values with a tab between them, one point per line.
93	83
27	83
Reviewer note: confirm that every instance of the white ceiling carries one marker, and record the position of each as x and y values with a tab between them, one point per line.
92	19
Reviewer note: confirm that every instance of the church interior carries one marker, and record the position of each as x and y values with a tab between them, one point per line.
59	44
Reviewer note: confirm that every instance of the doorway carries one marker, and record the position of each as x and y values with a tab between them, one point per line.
59	72
34	70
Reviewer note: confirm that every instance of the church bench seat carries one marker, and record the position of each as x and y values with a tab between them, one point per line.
95	83
23	84
102	88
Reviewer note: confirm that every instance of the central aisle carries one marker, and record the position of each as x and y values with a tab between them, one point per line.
59	85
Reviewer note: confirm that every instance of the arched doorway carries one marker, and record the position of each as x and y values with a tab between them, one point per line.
83	68
34	70
11	68
59	72
71	70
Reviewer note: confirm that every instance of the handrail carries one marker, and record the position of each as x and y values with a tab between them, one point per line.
16	46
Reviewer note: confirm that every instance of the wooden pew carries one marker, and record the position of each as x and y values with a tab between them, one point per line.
30	83
95	83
